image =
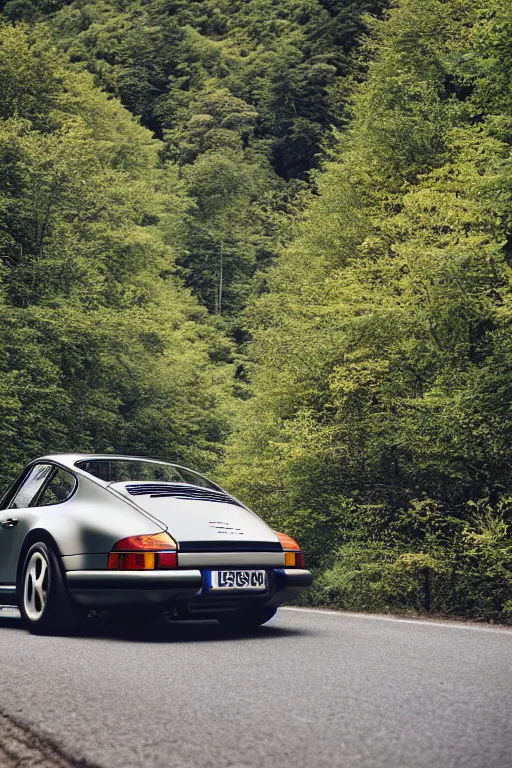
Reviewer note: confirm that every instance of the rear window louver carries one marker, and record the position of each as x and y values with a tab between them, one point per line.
179	491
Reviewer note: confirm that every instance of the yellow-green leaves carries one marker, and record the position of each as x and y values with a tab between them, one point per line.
382	354
101	346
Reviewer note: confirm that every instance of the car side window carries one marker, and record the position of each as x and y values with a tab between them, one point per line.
31	486
58	489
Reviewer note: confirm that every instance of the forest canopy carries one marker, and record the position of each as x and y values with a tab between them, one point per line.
273	240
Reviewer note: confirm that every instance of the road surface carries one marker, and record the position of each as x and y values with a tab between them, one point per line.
311	688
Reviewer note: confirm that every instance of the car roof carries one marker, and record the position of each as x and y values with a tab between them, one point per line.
70	459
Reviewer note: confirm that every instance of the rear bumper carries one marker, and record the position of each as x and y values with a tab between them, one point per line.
290	582
104	588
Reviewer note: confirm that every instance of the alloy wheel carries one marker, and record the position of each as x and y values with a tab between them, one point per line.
35	588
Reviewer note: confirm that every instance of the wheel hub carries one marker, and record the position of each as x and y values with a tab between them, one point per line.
35	588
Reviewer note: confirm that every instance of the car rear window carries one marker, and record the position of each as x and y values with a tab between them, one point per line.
125	470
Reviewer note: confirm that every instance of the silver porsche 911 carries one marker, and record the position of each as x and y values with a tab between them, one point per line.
140	537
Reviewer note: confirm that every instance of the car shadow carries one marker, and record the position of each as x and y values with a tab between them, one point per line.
163	632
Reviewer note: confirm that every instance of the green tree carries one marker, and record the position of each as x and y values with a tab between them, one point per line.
102	348
244	93
381	409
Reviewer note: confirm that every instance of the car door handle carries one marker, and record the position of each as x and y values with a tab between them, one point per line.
9	523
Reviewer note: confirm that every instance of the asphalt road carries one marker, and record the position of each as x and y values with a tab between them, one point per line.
315	689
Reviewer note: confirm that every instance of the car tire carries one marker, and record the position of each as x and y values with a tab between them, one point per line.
241	621
44	602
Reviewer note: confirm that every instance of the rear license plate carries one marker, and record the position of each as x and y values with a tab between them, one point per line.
226	581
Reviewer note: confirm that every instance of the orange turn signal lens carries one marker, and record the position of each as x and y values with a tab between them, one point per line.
293	557
132	561
287	542
154	542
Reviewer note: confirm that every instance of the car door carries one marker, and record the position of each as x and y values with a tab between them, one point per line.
15	520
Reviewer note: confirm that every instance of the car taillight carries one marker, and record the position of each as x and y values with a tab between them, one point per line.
167	560
144	553
154	542
293	557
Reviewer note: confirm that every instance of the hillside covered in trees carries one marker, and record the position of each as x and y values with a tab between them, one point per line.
273	240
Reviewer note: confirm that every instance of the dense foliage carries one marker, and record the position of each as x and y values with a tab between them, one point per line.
381	427
242	94
368	293
100	346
